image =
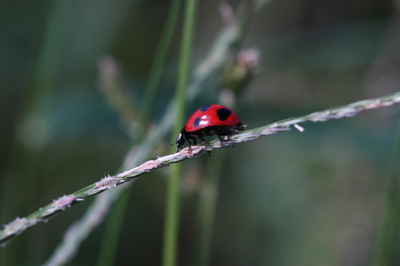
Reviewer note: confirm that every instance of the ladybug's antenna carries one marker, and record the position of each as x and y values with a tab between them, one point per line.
172	144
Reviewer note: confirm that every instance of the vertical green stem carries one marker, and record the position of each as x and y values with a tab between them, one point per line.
159	62
114	224
173	204
172	218
388	237
113	230
207	203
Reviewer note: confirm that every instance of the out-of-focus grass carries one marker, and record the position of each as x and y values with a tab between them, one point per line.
311	198
32	130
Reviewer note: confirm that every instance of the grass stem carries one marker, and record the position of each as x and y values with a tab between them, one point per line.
388	235
110	242
159	63
173	201
207	204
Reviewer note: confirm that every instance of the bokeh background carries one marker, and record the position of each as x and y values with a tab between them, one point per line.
313	198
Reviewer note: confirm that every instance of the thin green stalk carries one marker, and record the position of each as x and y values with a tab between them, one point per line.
173	204
207	203
172	218
113	230
388	237
114	224
159	63
19	225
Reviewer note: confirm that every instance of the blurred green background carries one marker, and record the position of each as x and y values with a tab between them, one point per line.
312	198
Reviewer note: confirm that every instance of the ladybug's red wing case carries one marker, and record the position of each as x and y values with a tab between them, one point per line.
212	116
209	120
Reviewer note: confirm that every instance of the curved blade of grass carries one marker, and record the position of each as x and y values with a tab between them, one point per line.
19	225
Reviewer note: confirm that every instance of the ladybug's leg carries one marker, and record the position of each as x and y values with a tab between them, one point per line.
190	144
214	132
199	136
220	140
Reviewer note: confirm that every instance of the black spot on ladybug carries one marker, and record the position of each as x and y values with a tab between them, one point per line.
223	113
197	122
205	108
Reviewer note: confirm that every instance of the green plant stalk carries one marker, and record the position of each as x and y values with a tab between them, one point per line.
159	63
113	230
388	235
173	200
172	217
19	225
207	203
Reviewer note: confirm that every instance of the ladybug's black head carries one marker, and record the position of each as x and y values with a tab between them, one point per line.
180	141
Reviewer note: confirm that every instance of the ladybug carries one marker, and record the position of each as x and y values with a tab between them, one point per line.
209	120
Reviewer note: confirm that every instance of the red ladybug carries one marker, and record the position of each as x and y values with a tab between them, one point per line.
209	120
